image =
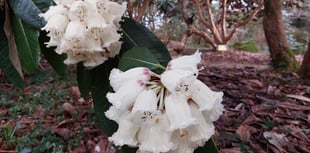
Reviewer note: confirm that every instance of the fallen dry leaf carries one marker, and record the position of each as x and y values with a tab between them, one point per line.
299	97
63	132
80	149
278	140
254	83
274	91
69	108
231	150
245	132
75	91
293	106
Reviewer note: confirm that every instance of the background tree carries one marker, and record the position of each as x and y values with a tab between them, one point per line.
217	22
305	66
280	52
137	9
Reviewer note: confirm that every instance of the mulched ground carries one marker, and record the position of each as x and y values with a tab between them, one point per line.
266	111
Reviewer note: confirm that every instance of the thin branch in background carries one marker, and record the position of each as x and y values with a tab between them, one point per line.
246	21
223	19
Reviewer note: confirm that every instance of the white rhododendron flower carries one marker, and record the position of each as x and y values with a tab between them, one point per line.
118	78
85	30
178	112
56	27
126	95
125	135
187	62
168	113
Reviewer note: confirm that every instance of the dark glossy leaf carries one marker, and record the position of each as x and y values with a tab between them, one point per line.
209	147
100	87
28	12
13	52
84	79
26	38
5	64
137	35
54	59
43	5
139	56
126	149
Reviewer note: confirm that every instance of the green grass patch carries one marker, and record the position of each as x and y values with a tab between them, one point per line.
247	46
25	129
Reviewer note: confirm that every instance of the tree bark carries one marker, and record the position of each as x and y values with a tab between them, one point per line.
282	57
305	66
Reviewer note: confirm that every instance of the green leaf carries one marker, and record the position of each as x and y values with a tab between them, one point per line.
209	147
26	39
43	5
84	79
139	56
137	35
100	87
126	149
5	64
97	81
28	12
13	52
54	59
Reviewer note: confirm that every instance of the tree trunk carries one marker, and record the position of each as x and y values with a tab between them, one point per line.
305	66
282	57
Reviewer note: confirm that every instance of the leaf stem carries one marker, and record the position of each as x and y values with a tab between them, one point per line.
127	35
156	65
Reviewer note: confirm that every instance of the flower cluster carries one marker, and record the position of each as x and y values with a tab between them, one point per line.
87	31
172	112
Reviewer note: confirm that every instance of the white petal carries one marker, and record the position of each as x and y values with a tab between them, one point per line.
126	133
94	45
64	47
214	113
182	141
78	11
177	81
64	2
74	58
75	35
114	49
183	149
146	101
178	112
203	96
95	20
187	62
111	11
114	114
94	59
156	138
109	36
126	95
56	26
118	78
117	9
109	18
96	25
54	10
144	111
201	132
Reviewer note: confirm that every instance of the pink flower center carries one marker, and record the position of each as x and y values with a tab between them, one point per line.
141	83
146	72
169	66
